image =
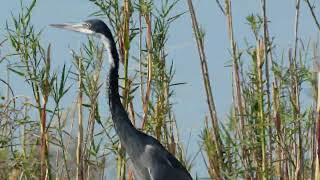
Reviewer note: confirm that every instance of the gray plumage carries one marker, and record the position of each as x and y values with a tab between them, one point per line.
150	160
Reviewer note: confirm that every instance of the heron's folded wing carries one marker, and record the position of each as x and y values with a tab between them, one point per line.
165	166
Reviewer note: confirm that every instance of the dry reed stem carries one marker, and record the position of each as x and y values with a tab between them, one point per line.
149	77
277	122
44	155
130	105
295	97
125	32
260	62
140	59
124	49
267	76
217	166
80	173
204	68
236	82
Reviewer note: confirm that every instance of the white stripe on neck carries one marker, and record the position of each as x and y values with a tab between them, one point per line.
107	45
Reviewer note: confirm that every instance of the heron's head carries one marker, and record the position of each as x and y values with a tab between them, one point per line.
96	28
90	27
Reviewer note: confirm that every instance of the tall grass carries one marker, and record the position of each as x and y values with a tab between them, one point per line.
269	133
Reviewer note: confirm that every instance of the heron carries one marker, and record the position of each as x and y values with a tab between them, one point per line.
150	160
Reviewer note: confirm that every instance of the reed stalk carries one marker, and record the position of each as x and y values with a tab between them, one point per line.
147	19
218	146
239	109
80	160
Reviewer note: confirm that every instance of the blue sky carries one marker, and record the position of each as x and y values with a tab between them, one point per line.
190	107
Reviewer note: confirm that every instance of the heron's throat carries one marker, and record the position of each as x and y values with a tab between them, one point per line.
112	50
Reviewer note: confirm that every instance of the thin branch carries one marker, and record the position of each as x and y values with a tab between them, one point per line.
221	7
313	14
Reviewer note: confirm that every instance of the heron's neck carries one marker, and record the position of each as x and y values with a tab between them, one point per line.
120	118
114	97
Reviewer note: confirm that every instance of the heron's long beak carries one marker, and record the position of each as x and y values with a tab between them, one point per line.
77	27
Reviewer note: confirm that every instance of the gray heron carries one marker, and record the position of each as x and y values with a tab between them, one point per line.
150	160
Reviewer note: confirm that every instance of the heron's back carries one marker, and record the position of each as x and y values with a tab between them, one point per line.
154	162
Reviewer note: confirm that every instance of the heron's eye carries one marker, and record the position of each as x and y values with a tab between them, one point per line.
87	25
